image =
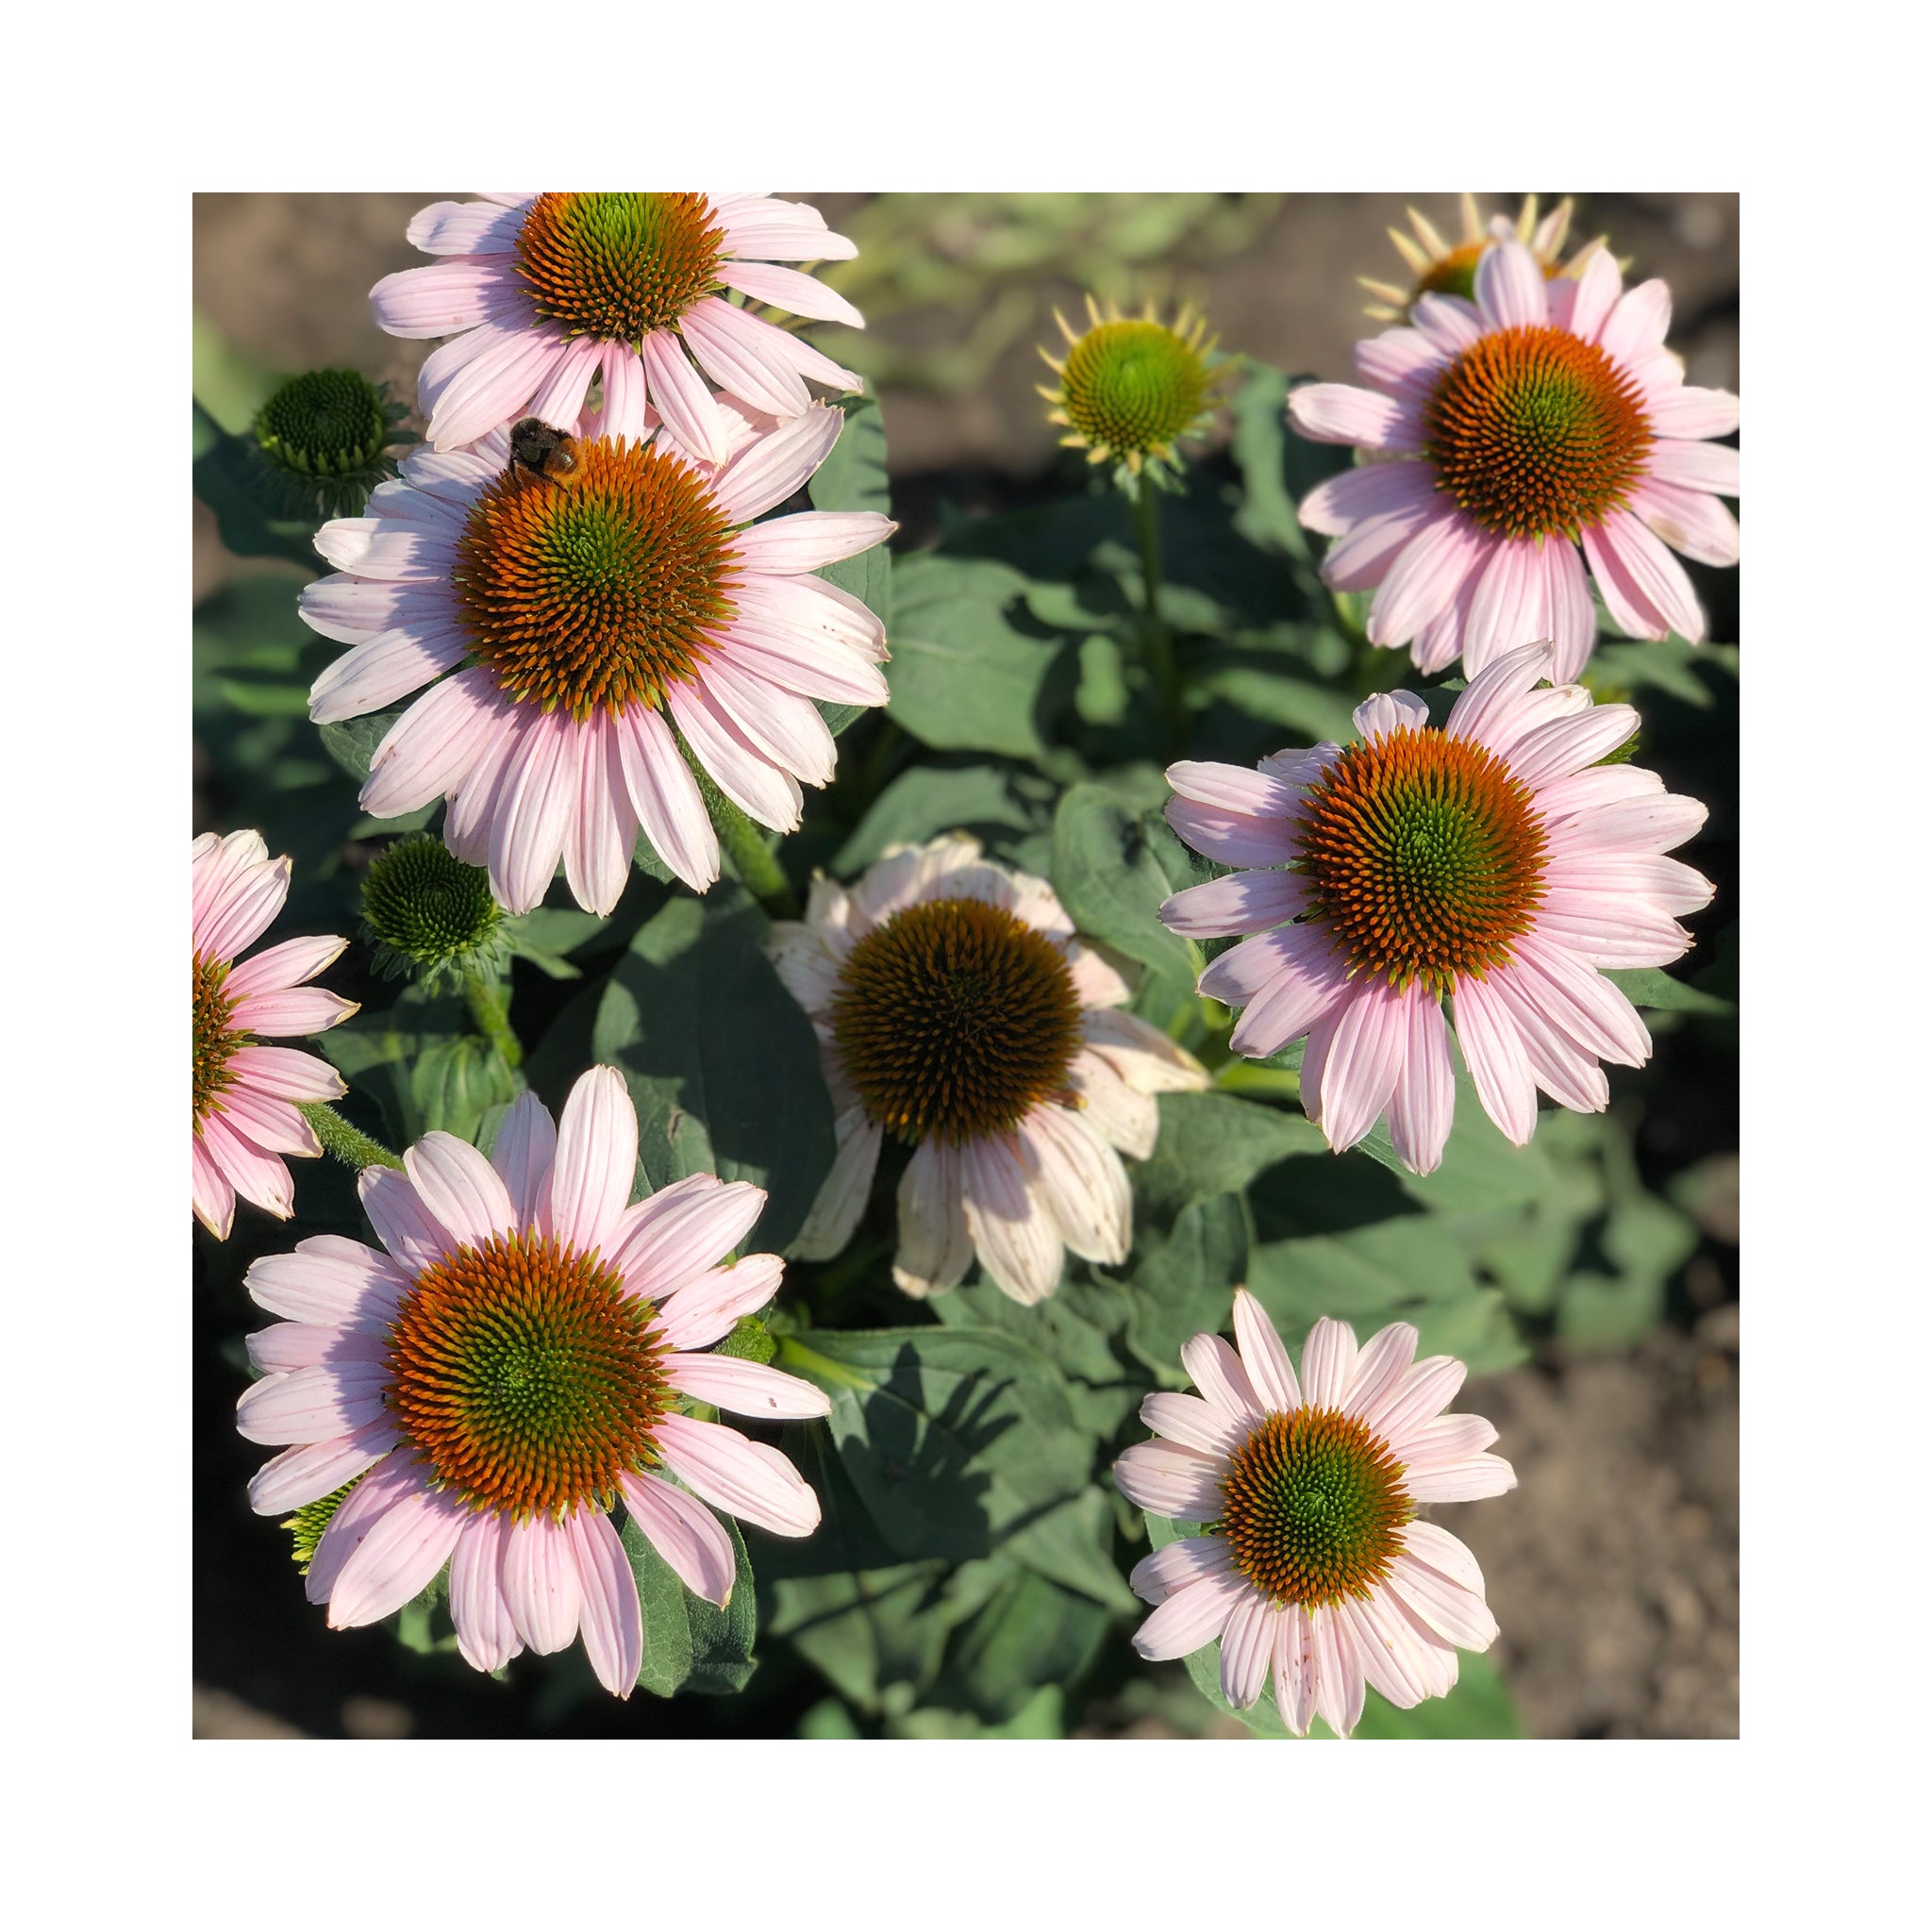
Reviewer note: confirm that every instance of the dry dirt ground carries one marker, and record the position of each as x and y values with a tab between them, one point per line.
1613	1569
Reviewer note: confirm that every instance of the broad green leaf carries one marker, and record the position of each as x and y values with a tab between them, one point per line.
1029	1635
969	669
993	802
420	1061
691	1644
1113	871
954	1439
1213	1143
1651	986
706	1035
352	742
1183	1282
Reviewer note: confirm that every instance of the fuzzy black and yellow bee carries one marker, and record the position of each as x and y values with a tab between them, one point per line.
534	446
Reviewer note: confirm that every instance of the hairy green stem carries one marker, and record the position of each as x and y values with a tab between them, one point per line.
744	845
349	1145
489	1009
1159	638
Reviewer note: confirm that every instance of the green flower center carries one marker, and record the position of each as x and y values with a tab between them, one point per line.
1535	433
599	592
1309	1506
954	1018
618	266
426	905
525	1376
1425	855
214	1042
328	423
1131	388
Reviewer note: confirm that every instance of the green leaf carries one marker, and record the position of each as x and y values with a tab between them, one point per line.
1112	871
352	742
1651	986
225	481
1029	1634
965	675
706	1035
1213	1143
954	1439
1183	1283
691	1644
423	1065
993	802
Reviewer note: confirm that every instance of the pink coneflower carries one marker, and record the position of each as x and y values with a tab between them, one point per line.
1495	862
1502	434
1313	1564
957	1011
509	1371
543	292
597	616
245	1117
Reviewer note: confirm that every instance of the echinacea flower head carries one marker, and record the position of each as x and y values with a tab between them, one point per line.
542	293
1498	862
958	1013
246	1095
513	1364
1521	445
1448	268
1311	1563
430	917
1130	387
598	617
323	441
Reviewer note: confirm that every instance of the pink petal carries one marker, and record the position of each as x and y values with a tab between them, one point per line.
540	1583
1338	412
669	1238
1223	1382
1264	1357
739	771
1496	1062
1247	1648
329	1279
732	348
786	288
429	750
1423	1105
402	1223
1426	576
752	1482
1363	1063
682	398
299	1009
460	1189
1694	414
486	1631
397	1558
531	813
525	1150
1173	1567
777	466
309	1470
666	798
312	1405
596	1163
1190	1618
685	1534
744	1387
612	1619
1167	1480
1689	520
808	540
1510	291
286	1074
705	1310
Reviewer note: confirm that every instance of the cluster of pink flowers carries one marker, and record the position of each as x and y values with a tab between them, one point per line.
599	629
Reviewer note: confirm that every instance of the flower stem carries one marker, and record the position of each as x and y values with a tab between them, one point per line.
1159	638
744	845
489	1009
350	1146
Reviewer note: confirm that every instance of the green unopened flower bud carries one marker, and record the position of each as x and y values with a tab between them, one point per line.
321	441
307	1524
1130	388
431	917
749	1341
